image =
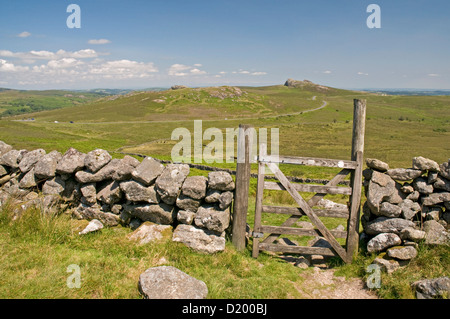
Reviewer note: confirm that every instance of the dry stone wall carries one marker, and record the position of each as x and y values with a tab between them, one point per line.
405	206
126	191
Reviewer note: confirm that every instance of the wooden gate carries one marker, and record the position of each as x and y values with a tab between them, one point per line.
305	208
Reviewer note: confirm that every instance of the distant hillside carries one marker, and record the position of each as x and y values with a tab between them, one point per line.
208	103
219	103
19	102
121	91
312	121
417	92
177	103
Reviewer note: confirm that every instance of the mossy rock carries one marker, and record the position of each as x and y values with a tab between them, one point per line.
150	232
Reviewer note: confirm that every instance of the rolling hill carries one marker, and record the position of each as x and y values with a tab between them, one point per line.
20	102
209	103
313	120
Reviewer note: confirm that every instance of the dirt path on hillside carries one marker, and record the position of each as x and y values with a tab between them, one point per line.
323	284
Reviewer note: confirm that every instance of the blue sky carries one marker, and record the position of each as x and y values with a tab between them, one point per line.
139	44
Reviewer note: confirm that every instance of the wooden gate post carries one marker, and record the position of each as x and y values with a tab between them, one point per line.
240	206
359	123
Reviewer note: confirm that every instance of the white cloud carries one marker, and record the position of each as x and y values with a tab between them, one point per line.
326	72
223	72
362	73
198	65
24	34
177	69
197	72
433	75
6	66
6	53
72	68
64	63
48	55
99	41
184	70
241	71
81	54
124	69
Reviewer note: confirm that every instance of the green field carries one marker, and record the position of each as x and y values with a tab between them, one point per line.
18	102
398	128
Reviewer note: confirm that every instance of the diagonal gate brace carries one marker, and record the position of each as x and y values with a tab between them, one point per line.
308	211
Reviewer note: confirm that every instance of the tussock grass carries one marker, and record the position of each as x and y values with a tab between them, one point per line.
35	251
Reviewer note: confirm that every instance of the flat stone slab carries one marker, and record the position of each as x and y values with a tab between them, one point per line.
194	187
149	232
147	171
402	252
404	174
167	282
423	164
387	225
157	213
71	162
383	241
96	159
221	181
377	164
199	239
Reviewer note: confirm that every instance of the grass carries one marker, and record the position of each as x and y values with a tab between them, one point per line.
36	250
16	102
432	261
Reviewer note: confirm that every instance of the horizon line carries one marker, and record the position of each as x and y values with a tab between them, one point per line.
206	86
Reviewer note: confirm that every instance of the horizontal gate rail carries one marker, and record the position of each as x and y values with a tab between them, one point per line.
300	231
309	161
297	249
295	211
308	188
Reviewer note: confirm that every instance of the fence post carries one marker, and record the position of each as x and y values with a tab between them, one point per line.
240	206
359	123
